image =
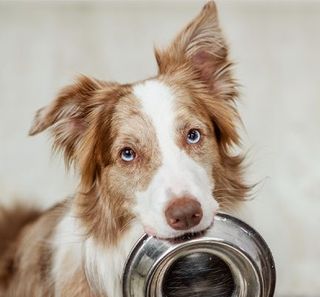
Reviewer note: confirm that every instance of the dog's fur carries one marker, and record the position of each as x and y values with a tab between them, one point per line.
79	247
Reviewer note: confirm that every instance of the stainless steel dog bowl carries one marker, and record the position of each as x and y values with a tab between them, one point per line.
230	260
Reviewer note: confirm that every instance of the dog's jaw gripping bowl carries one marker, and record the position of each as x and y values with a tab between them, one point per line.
230	260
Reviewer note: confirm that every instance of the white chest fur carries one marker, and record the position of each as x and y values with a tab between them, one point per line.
103	265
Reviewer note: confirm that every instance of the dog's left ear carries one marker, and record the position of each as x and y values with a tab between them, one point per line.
200	54
202	47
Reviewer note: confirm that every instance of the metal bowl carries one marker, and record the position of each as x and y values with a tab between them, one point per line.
230	260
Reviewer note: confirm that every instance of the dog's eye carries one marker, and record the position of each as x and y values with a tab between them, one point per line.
127	154
193	136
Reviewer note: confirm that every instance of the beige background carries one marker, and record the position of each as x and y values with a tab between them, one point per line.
276	45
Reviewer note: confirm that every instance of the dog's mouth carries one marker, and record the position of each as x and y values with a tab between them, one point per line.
186	236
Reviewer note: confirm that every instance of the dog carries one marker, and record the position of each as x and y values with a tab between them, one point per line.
155	156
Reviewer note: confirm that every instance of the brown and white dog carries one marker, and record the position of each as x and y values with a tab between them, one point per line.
153	156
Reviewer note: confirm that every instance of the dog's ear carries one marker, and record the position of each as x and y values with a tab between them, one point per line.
73	121
202	47
67	110
67	114
199	54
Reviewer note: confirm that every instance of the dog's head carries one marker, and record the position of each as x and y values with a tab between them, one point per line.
156	151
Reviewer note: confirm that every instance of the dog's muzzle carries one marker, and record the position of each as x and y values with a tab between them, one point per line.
230	260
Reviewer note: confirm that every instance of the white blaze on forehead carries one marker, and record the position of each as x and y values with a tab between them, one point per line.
178	174
157	102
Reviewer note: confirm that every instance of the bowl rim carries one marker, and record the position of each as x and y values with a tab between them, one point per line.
170	248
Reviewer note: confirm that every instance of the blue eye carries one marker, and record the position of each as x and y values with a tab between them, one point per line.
193	136
128	154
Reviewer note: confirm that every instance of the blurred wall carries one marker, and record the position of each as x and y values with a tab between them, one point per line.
276	46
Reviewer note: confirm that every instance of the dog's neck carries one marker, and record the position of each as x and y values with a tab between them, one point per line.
102	264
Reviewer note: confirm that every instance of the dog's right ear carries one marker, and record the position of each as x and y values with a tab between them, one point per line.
66	110
67	116
79	120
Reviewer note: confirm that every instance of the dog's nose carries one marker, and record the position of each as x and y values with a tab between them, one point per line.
183	213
